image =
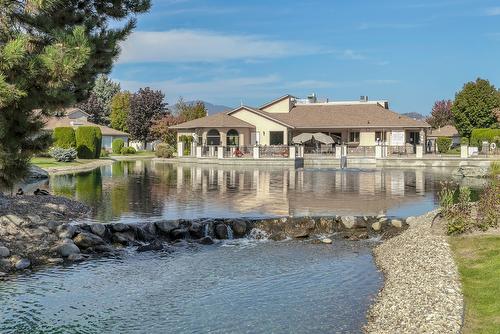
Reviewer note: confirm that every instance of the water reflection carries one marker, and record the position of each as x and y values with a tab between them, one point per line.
141	190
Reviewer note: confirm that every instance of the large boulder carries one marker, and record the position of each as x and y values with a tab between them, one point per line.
4	251
36	173
87	240
206	240
120	227
66	231
123	238
350	222
98	229
221	231
239	228
22	264
153	246
196	230
167	226
179	233
300	227
68	248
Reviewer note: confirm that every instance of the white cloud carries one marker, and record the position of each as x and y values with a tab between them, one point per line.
493	11
351	54
203	46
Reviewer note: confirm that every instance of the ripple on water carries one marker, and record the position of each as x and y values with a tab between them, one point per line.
243	286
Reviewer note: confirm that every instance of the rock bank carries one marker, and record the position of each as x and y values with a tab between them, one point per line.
421	292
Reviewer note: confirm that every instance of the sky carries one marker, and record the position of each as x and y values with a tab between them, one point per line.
228	52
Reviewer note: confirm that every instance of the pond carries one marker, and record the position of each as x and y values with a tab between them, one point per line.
235	286
142	190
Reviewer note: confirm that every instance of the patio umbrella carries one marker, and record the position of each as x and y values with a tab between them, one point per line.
302	138
325	139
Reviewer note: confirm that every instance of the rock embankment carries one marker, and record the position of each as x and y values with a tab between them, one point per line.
37	230
421	292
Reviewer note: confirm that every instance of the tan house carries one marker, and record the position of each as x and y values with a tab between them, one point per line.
76	117
356	123
448	131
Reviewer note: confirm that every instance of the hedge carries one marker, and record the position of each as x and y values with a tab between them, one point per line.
117	145
128	150
88	142
64	137
480	135
443	144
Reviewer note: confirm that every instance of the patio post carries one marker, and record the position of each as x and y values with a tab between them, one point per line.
338	151
291	152
464	151
420	151
198	151
256	152
220	152
378	152
180	149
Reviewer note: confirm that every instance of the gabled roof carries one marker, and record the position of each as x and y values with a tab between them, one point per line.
262	113
287	96
324	116
445	131
219	120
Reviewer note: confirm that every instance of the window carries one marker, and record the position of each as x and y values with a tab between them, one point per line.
213	137
276	137
233	138
354	137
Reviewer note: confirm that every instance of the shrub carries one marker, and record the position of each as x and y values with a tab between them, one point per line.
443	144
480	135
495	168
164	150
63	154
488	206
128	150
64	137
117	145
104	154
88	142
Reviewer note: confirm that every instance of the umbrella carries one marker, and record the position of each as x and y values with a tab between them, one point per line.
321	137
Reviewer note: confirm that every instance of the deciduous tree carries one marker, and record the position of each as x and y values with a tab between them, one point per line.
474	106
441	114
146	106
120	108
190	111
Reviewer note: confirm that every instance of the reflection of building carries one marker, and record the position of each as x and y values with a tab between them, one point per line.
363	123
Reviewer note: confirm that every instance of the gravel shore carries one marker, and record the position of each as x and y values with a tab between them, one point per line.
422	292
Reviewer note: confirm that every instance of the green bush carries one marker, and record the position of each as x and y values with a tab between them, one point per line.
104	154
480	135
64	137
443	144
88	142
128	150
117	145
164	150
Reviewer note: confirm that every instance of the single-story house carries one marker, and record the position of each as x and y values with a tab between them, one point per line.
355	123
76	117
448	131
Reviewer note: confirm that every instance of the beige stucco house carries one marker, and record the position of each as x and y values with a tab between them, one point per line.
356	123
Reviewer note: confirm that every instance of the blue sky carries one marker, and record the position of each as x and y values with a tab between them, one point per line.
409	52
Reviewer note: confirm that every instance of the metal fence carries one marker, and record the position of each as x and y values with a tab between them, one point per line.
395	151
322	150
238	152
274	151
361	151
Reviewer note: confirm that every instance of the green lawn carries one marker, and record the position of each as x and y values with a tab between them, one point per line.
50	162
478	259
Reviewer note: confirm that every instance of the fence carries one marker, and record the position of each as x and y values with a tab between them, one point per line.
398	150
361	151
274	151
322	150
238	152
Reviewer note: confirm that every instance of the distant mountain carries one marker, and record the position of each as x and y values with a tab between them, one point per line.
211	108
414	115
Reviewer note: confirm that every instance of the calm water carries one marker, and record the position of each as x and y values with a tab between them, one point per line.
145	190
243	286
239	287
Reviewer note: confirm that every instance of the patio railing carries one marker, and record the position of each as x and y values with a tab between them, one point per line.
322	150
361	151
274	151
238	152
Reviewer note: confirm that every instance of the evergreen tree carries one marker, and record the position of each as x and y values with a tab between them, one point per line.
98	105
95	108
50	54
474	106
120	108
146	106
